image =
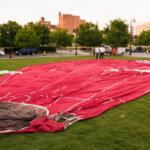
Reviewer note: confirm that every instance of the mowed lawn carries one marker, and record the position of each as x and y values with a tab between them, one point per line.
126	127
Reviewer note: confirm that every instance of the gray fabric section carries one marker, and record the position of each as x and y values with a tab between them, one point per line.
15	116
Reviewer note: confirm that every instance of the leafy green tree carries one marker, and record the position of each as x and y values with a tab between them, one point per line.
143	39
27	38
29	25
88	34
61	38
116	34
42	32
7	33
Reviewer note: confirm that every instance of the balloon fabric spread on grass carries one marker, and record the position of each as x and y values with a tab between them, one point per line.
38	97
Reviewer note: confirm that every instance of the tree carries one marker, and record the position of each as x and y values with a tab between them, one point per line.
116	34
29	25
61	38
42	32
27	38
143	39
88	34
7	33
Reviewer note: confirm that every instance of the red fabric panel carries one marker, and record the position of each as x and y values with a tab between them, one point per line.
83	88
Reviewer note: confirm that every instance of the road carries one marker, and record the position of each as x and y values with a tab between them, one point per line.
63	53
59	53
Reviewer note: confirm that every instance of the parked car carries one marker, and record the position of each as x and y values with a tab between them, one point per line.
127	50
26	51
138	49
2	52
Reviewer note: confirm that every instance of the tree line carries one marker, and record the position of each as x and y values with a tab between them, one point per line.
32	34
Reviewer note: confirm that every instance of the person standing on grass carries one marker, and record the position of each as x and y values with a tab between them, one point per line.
102	51
97	50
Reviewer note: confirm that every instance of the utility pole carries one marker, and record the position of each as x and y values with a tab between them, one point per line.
131	32
76	53
9	37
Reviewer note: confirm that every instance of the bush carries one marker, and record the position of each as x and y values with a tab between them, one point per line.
84	48
47	49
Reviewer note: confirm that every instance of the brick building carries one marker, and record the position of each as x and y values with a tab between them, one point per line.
69	22
143	27
47	23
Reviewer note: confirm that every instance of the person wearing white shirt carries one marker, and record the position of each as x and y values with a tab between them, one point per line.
97	50
102	51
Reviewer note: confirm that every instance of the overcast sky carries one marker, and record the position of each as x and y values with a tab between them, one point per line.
24	11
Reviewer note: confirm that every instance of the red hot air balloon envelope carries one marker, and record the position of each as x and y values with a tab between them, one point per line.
34	98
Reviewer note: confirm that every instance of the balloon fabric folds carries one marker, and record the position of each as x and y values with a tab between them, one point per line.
38	97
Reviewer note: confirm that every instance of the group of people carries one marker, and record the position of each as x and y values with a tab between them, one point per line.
99	52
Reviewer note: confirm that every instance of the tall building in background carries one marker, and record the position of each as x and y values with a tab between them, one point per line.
143	27
69	22
47	23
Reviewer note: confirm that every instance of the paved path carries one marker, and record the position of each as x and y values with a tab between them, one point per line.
137	55
72	52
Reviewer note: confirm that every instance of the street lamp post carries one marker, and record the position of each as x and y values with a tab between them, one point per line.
76	53
131	31
10	52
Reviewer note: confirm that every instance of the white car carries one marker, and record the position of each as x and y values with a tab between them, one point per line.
2	53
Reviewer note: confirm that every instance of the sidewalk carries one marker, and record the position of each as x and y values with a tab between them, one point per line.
72	52
137	55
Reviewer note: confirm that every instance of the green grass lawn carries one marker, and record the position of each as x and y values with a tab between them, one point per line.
126	127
